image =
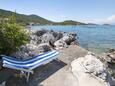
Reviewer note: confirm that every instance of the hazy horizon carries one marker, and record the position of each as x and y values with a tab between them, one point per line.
90	11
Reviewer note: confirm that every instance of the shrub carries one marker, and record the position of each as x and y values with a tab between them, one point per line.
12	36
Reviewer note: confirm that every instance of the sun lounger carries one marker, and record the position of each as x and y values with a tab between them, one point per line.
29	64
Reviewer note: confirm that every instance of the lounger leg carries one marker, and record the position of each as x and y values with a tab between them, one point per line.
28	74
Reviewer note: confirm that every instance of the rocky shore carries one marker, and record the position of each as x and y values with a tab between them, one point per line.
76	66
45	40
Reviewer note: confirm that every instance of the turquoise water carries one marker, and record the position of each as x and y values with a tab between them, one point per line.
96	38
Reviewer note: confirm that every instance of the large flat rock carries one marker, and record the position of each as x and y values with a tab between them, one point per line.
64	76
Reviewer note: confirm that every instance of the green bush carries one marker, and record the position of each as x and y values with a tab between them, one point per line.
12	36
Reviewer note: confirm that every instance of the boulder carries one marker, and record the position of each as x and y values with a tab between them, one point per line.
40	32
110	62
111	51
44	47
44	36
74	43
60	44
57	35
35	36
109	56
89	71
69	37
47	37
25	50
30	50
112	57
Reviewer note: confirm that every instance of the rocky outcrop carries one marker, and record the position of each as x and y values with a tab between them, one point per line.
30	50
67	39
47	37
44	40
109	58
60	44
90	71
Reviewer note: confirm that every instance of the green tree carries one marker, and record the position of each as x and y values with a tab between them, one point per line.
12	36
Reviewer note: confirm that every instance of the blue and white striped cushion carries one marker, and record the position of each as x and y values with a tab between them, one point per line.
37	60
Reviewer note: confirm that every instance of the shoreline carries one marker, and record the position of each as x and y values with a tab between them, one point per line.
58	72
96	39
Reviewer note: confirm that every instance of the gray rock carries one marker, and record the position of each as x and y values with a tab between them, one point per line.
57	35
110	62
69	37
112	58
44	40
44	36
109	56
40	32
35	40
90	71
60	44
112	51
26	51
21	55
30	50
47	37
44	47
74	43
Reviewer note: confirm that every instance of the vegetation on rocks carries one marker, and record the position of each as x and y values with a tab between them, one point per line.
12	36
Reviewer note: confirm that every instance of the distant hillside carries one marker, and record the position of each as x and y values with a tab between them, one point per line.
92	24
25	19
70	22
107	24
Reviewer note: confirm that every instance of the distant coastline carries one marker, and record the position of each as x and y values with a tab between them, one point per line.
35	19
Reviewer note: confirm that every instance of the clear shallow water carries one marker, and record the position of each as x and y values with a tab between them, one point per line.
96	38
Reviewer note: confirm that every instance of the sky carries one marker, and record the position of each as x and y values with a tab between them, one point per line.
88	11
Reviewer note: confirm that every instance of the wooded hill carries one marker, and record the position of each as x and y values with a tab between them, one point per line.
25	19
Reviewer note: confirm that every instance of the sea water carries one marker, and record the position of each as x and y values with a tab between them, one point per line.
96	38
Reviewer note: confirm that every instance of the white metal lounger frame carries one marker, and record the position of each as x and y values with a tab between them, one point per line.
30	70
